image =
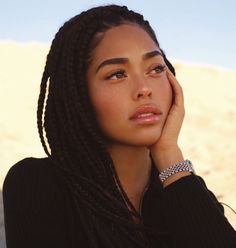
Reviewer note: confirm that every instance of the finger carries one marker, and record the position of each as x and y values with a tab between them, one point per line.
178	91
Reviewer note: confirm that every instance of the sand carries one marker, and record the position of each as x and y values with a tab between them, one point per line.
208	136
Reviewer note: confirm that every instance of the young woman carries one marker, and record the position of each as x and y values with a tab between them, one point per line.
109	115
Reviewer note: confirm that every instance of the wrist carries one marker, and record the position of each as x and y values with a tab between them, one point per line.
163	158
175	177
176	169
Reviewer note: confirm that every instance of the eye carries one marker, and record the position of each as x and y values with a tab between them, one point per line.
158	69
116	75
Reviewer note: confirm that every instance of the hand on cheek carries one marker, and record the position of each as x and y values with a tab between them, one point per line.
166	151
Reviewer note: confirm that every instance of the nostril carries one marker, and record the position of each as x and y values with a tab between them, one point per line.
146	93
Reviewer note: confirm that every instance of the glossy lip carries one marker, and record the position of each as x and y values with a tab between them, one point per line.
139	116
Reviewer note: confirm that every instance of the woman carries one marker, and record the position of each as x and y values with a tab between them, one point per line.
114	175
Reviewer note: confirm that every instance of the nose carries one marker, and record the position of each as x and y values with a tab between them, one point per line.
142	89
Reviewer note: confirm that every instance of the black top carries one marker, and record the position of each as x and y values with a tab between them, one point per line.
39	211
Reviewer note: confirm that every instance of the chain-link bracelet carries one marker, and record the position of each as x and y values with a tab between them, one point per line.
186	165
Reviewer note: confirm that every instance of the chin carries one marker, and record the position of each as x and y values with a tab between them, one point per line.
138	138
144	140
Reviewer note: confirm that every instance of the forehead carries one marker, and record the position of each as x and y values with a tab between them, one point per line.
123	41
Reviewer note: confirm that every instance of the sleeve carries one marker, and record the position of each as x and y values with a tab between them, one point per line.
194	216
31	198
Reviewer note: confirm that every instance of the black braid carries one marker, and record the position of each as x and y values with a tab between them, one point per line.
77	147
40	110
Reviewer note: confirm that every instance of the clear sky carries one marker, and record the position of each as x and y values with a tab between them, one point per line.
200	31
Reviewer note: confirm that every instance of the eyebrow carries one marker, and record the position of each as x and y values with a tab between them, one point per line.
152	54
113	61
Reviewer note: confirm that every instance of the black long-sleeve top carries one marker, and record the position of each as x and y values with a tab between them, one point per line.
39	212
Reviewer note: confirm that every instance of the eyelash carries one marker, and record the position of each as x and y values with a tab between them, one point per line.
161	68
119	72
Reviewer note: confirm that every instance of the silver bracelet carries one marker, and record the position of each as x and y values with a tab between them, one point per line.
186	165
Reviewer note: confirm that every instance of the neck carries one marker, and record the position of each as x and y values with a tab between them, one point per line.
133	167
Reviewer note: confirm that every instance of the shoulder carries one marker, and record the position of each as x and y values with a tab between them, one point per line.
30	170
32	177
38	208
28	165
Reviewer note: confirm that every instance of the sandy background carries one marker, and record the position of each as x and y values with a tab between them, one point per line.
208	136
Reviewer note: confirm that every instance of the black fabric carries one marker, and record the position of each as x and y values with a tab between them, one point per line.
39	212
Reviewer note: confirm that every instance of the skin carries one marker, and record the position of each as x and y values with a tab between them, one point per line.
118	89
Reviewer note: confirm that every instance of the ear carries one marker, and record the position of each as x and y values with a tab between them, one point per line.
170	66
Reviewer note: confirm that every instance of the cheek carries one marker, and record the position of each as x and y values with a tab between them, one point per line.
110	110
169	95
107	104
165	93
100	102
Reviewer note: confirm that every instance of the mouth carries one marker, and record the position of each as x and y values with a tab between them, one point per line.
146	114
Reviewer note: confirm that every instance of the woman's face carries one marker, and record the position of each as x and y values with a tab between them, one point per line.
128	86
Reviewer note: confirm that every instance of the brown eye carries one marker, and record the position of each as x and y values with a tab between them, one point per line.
116	75
158	69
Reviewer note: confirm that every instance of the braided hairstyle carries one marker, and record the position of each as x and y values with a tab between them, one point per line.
70	135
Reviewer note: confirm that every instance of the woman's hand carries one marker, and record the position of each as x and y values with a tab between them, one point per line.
174	120
165	151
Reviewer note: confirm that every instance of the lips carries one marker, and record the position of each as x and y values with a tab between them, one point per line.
146	114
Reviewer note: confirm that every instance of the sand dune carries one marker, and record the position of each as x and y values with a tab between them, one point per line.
208	136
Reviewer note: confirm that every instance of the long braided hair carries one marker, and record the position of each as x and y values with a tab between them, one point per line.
70	135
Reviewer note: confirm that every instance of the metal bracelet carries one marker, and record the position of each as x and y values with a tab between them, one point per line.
185	165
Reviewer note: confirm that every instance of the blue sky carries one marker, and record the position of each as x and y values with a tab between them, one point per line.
200	31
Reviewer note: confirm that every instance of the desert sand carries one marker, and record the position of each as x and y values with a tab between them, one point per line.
208	136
